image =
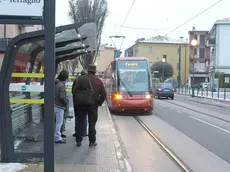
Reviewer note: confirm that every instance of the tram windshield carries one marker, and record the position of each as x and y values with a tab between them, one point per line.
133	76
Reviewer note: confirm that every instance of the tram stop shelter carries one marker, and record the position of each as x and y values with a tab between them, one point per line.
22	88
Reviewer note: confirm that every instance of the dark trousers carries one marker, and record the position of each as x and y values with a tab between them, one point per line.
76	122
81	111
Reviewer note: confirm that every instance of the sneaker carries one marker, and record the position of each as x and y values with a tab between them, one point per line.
78	144
63	135
61	141
92	144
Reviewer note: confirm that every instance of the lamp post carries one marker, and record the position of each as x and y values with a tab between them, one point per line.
194	43
163	72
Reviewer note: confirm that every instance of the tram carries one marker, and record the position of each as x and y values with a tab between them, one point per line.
128	84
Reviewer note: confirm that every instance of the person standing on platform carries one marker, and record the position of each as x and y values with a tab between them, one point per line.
83	72
89	93
61	103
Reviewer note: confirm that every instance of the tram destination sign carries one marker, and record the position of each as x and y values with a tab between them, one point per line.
132	64
21	10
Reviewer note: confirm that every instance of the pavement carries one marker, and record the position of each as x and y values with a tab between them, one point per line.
106	157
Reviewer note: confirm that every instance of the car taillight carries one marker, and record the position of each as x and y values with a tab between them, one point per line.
173	90
159	89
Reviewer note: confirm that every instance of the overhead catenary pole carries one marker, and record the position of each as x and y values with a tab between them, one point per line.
49	59
117	52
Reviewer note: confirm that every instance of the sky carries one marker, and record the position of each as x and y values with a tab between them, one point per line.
156	17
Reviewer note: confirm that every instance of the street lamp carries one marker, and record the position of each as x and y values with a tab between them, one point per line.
194	43
163	72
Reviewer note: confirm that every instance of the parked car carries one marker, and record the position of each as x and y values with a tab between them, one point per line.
164	90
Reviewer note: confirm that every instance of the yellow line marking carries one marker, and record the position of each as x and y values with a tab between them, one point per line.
33	75
27	101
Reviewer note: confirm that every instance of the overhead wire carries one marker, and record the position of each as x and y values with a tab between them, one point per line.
194	16
136	28
127	16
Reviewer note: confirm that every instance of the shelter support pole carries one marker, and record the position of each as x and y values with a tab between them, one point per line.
49	59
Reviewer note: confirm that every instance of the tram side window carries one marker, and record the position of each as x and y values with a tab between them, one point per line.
113	79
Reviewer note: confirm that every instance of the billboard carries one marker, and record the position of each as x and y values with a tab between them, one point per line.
21	8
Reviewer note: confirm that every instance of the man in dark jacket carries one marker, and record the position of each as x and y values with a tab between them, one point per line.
83	72
61	102
82	83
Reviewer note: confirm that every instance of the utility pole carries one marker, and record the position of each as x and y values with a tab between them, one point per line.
117	52
179	66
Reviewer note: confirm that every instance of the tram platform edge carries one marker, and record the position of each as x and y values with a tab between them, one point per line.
106	156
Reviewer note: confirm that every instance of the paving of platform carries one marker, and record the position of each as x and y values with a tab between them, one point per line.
106	157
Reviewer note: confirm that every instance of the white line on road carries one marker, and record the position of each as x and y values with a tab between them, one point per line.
179	112
171	108
215	126
163	105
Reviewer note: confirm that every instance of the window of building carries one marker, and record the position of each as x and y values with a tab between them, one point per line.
150	50
19	29
195	51
202	41
165	57
201	54
195	66
195	37
202	67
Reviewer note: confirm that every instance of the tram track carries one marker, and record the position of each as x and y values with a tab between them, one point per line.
180	164
194	110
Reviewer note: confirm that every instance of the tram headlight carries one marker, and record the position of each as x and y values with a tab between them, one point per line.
118	96
148	96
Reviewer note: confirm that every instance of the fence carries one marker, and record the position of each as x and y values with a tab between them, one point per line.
220	93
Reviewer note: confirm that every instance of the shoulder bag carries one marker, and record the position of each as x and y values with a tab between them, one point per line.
85	96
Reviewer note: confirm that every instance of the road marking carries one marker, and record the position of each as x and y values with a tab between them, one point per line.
163	105
215	126
179	112
171	108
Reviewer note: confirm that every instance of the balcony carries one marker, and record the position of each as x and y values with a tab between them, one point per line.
196	71
4	42
196	58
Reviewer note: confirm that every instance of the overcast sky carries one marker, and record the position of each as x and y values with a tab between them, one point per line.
160	16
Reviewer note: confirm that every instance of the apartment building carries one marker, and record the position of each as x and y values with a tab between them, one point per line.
199	57
104	57
8	32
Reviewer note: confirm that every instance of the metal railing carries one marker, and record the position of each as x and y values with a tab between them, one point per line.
218	93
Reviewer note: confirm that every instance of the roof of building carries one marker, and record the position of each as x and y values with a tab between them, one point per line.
220	21
162	40
223	21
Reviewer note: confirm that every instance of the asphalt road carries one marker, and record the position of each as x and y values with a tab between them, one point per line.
211	133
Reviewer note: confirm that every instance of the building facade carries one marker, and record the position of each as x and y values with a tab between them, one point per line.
104	57
156	48
8	32
199	57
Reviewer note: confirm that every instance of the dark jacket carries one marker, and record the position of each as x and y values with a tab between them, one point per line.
61	99
82	83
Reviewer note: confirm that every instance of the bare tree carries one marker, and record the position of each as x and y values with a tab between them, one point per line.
84	11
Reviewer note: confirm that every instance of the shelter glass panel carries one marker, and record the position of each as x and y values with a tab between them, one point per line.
26	97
